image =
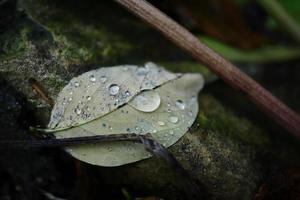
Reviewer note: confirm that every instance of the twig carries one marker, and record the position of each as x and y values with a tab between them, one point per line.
193	190
288	23
52	142
273	107
40	92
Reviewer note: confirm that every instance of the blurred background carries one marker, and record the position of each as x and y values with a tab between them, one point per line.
237	151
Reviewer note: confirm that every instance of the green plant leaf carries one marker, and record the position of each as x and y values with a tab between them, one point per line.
163	104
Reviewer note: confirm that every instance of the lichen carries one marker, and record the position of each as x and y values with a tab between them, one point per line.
77	41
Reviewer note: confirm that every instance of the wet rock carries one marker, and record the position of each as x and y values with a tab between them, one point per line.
53	41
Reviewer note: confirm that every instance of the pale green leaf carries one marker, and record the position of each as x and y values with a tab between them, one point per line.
166	111
98	92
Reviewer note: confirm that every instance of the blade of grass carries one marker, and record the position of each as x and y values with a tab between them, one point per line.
272	106
287	22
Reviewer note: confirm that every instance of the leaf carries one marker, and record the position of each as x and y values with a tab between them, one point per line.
292	7
98	92
265	54
159	102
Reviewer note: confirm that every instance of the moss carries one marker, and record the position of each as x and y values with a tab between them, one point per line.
78	42
14	42
221	149
216	118
223	159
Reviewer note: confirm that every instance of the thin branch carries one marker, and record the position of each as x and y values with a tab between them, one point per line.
40	92
272	106
52	142
193	190
287	22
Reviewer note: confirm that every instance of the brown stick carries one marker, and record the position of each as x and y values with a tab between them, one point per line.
277	110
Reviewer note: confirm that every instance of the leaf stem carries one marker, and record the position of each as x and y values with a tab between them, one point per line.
272	106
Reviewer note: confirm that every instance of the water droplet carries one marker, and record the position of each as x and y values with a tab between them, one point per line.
113	89
128	129
164	144
127	93
92	78
147	101
70	99
161	123
71	92
103	79
76	84
110	127
180	104
173	119
154	131
190	113
171	132
77	111
137	128
88	98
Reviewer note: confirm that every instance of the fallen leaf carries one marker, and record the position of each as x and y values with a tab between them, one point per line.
132	99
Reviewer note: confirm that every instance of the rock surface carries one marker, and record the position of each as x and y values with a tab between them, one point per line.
51	41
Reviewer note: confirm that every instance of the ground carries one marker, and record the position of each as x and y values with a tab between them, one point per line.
232	149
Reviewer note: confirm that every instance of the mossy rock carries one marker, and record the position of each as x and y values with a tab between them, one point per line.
51	43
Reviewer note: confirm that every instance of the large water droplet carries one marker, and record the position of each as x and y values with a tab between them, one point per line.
113	89
92	78
180	105
173	119
103	79
88	98
147	101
